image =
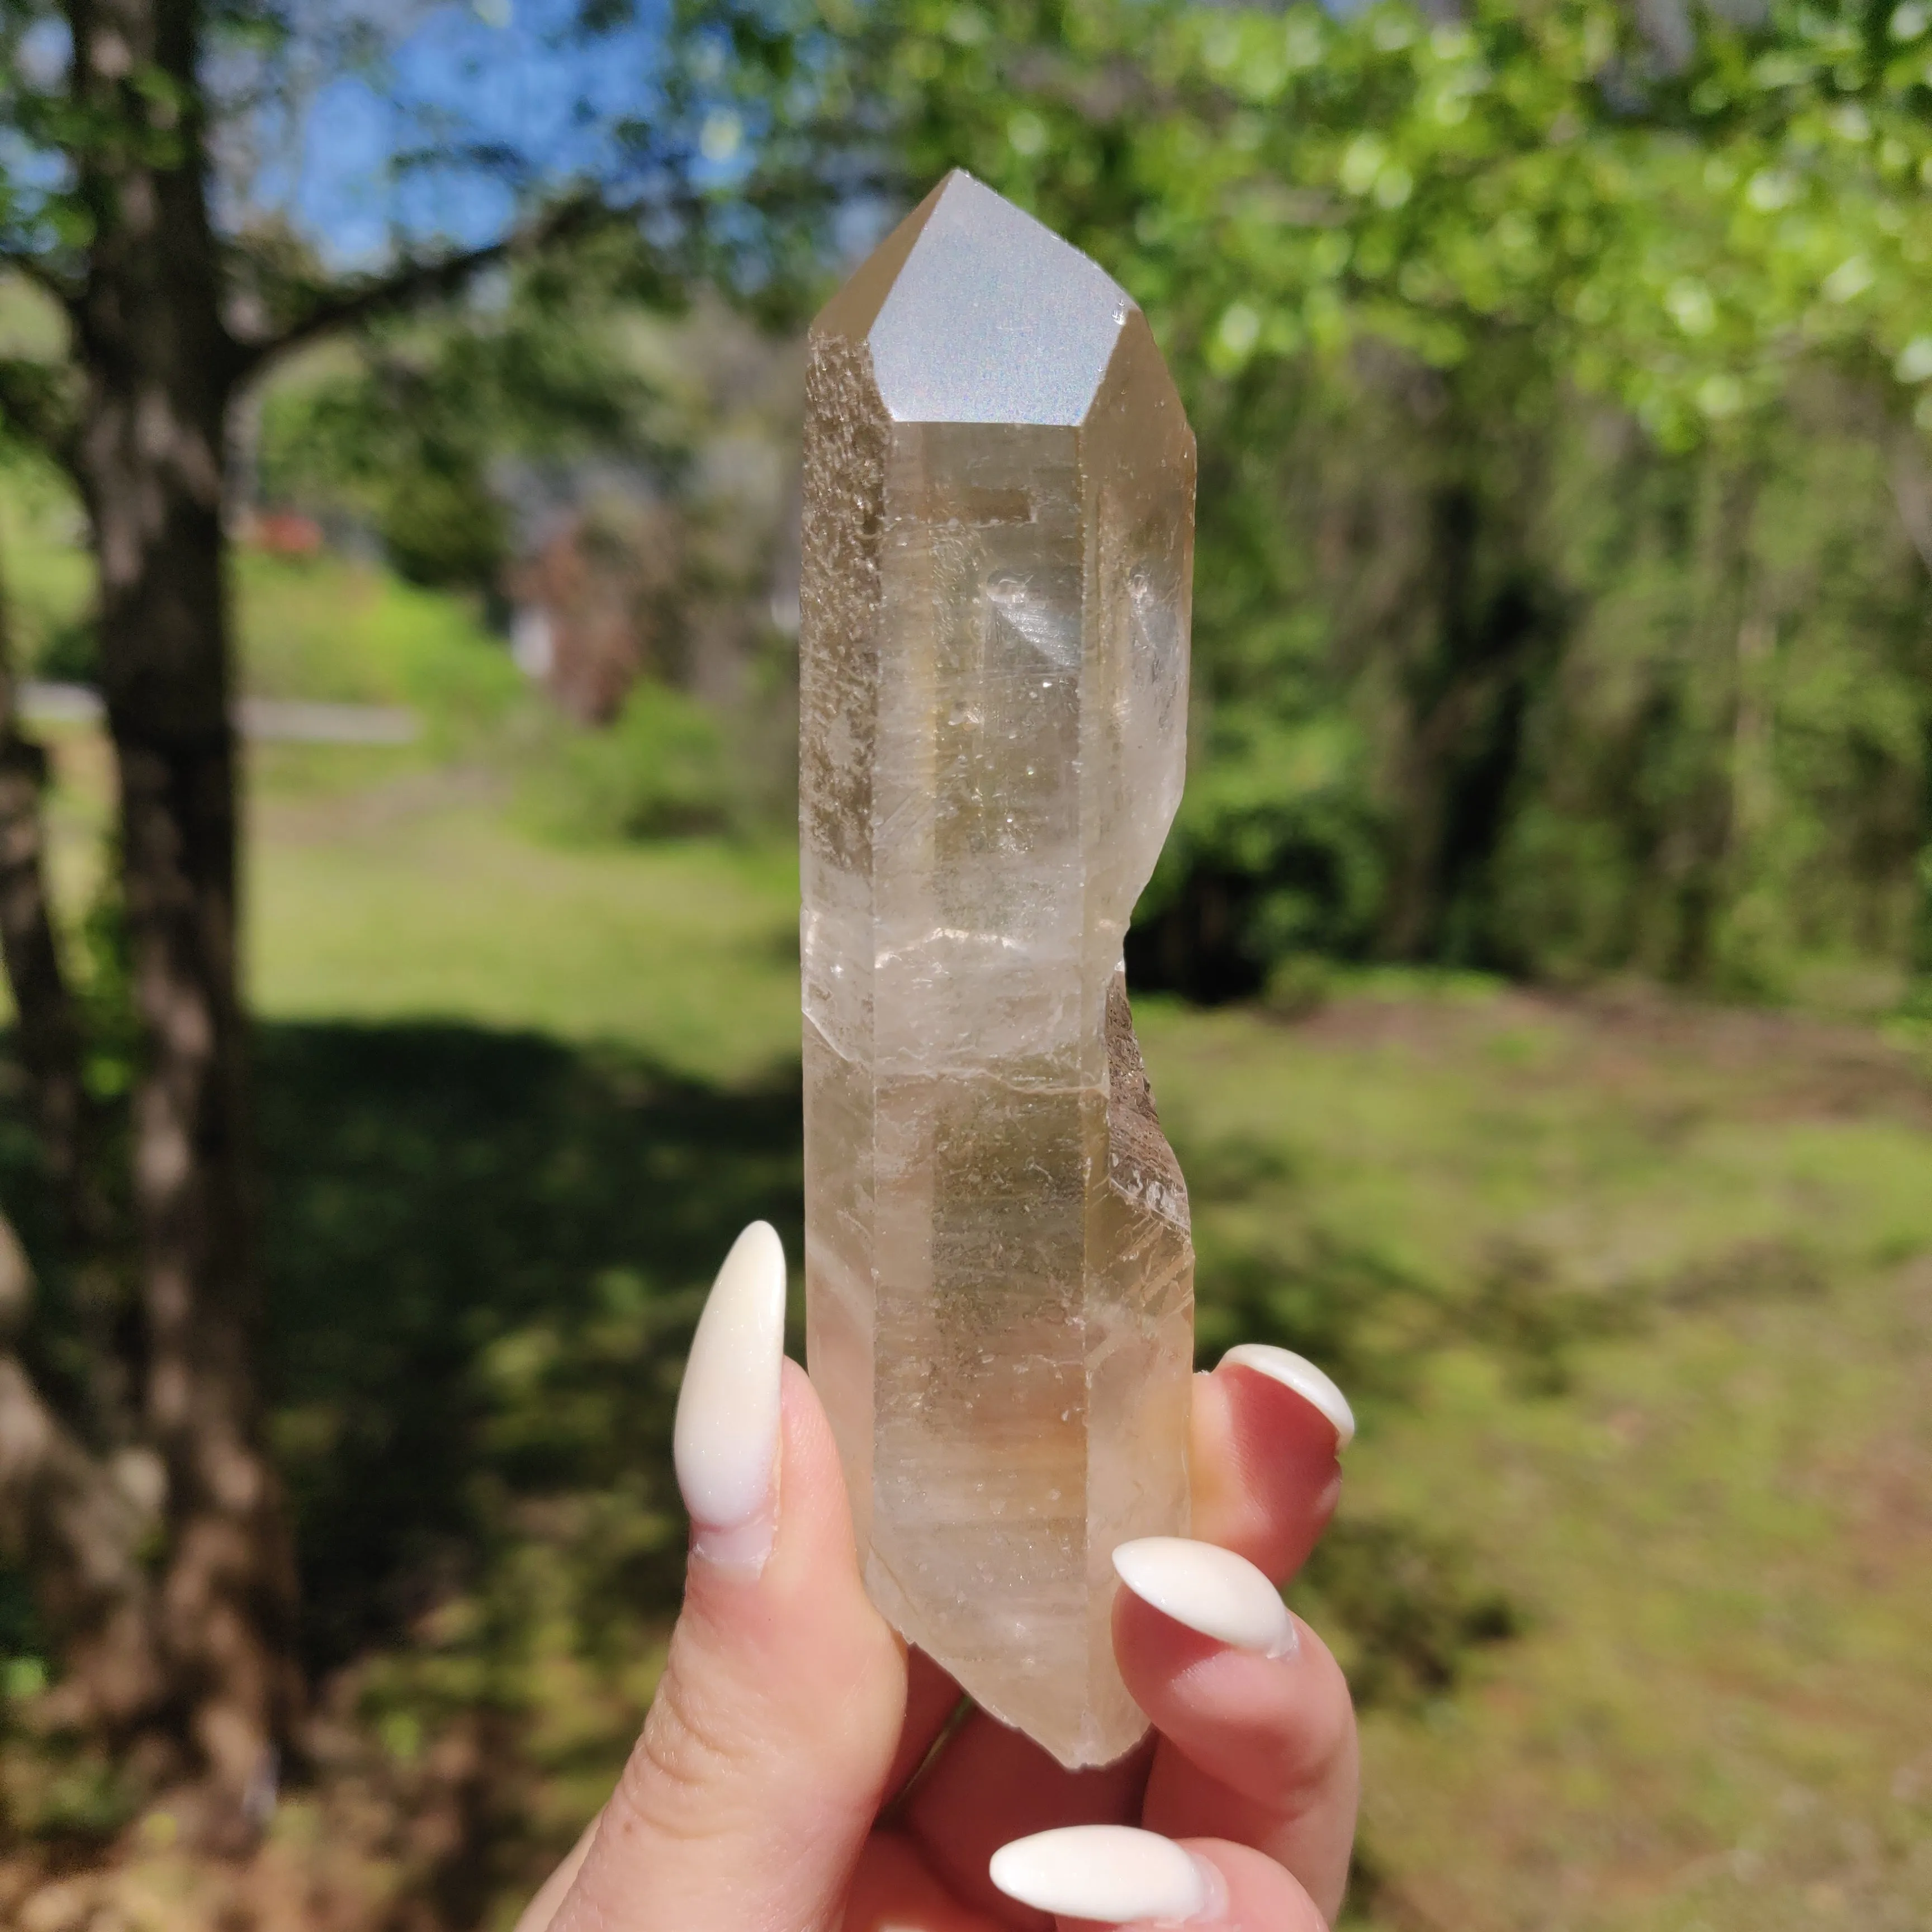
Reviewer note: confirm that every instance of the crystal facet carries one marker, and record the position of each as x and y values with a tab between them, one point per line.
998	542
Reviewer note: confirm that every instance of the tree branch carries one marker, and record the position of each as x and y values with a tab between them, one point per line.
354	303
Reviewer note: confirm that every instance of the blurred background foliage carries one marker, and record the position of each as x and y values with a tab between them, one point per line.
1563	379
1562	374
1566	538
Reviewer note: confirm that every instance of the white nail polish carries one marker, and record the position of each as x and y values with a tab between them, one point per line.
1209	1589
1111	1873
725	1444
1298	1373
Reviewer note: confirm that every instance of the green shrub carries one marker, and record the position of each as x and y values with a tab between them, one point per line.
71	653
662	770
443	528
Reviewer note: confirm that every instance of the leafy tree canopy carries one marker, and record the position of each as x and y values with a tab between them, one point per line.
1680	227
1397	261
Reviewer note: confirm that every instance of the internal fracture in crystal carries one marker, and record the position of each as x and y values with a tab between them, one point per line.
998	542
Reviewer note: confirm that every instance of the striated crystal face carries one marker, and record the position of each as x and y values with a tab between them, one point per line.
998	543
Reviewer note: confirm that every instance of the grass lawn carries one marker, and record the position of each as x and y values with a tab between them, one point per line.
1639	1302
1635	1300
418	900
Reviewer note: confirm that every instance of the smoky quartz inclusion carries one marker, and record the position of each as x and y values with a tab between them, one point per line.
998	538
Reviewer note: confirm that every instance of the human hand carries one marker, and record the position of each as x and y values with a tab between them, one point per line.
786	1780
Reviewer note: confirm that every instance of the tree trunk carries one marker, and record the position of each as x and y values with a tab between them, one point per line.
49	1040
1753	781
159	368
1707	874
79	1522
1468	691
1912	491
48	1036
1445	692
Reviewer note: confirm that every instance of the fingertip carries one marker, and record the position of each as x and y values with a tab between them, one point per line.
803	1595
1255	1894
811	1477
1106	1874
1300	1377
1215	1592
724	1442
1277	1728
1118	1876
1266	1476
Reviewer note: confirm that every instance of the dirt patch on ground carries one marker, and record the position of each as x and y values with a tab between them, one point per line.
1782	1065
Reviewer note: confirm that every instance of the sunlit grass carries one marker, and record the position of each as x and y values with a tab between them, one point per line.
337	632
399	905
44	571
1672	1274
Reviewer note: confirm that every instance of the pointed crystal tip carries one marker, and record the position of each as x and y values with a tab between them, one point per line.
975	313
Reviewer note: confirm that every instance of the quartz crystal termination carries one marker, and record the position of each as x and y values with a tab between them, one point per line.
997	558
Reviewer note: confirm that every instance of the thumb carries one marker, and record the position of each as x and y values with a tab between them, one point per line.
764	1758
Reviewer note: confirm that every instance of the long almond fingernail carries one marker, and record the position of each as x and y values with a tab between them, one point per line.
1112	1874
1209	1589
725	1444
1298	1373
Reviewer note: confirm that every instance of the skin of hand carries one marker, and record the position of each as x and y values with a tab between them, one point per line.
786	1778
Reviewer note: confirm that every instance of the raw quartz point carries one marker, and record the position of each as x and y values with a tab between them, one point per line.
999	492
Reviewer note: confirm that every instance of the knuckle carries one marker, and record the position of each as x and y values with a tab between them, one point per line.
686	1761
1321	1740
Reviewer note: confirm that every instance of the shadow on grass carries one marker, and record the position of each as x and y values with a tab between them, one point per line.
484	1252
